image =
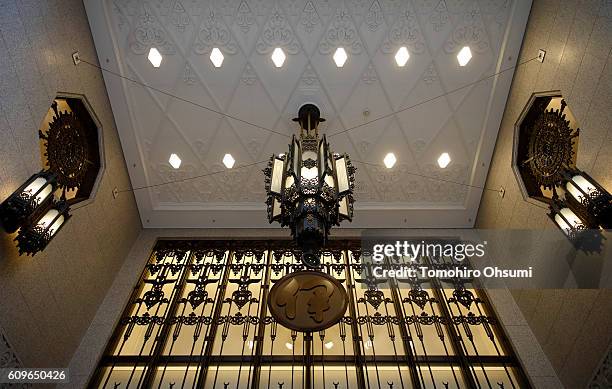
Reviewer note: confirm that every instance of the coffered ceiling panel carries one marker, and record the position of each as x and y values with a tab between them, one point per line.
416	192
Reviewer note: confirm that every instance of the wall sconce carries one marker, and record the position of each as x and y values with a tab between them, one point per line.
36	236
28	201
582	191
566	219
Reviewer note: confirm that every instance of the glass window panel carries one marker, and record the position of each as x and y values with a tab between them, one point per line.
287	375
441	376
329	375
231	376
389	328
175	377
121	376
383	376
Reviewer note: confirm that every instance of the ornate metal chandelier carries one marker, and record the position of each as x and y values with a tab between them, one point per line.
309	188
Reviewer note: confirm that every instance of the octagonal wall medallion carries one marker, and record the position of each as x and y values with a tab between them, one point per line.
71	147
545	145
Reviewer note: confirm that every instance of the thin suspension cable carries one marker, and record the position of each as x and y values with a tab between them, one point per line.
352	160
191	178
443	180
430	99
184	99
287	136
431	178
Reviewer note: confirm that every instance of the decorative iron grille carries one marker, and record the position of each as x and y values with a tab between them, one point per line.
198	318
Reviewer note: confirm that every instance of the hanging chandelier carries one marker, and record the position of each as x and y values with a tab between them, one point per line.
309	188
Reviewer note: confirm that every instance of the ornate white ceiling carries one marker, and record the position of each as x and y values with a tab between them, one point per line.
248	86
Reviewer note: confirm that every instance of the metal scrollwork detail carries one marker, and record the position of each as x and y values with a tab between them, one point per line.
551	147
66	149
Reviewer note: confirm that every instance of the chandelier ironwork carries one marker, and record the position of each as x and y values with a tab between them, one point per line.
309	188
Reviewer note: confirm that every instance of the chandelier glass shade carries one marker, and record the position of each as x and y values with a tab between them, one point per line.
309	188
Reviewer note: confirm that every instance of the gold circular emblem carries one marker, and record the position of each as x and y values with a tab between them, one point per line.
307	301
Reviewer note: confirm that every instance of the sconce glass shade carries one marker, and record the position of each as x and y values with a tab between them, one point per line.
592	199
566	219
35	237
26	201
579	188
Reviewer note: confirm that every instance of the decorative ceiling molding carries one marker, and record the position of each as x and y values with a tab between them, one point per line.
250	87
8	356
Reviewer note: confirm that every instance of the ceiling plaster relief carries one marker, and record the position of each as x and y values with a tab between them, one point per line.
309	31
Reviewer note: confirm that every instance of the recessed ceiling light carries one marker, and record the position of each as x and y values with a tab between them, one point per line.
390	160
443	160
175	161
278	57
155	57
216	57
340	57
402	56
228	161
464	56
329	345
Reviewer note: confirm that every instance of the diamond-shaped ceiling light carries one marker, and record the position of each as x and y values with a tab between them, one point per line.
228	161
340	57
464	56
390	160
155	57
402	56
175	161
278	57
216	57
443	160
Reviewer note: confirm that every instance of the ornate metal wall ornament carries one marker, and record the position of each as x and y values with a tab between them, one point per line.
309	189
544	162
551	147
71	161
308	301
71	149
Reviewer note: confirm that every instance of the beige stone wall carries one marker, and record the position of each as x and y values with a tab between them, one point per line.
573	326
48	301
